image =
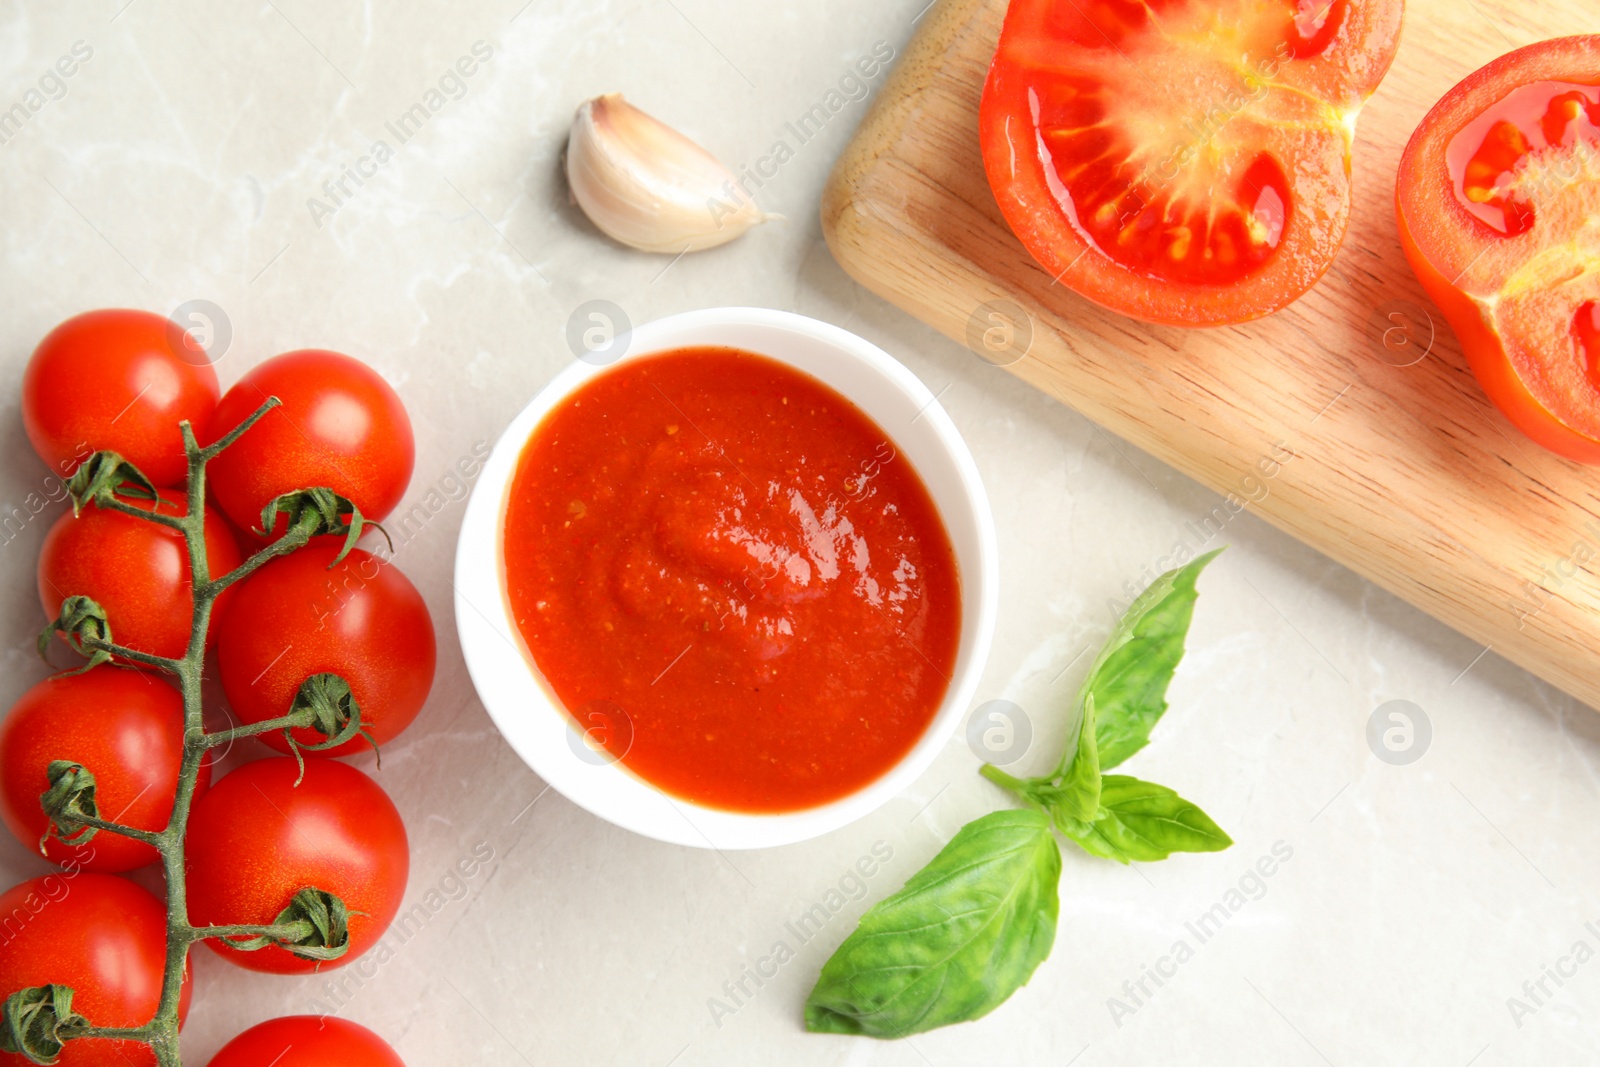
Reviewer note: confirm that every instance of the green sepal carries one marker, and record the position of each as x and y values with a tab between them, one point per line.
320	923
68	801
330	708
81	619
317	511
35	1019
107	476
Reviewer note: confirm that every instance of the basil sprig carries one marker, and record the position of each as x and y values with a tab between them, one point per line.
970	928
1122	699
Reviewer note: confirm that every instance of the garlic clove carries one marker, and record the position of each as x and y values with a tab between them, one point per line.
650	187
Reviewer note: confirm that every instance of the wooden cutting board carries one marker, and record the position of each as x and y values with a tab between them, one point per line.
1349	419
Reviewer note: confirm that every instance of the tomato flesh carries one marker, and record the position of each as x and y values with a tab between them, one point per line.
1174	232
1522	145
1586	326
1498	197
1181	161
1315	23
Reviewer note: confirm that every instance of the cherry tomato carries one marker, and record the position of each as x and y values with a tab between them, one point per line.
126	728
307	1041
136	570
103	936
362	620
340	426
256	839
119	380
1182	161
1497	195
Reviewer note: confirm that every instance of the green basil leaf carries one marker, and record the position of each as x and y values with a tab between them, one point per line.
1144	821
1078	795
1130	676
960	937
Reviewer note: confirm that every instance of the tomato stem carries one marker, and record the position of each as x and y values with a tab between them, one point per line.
115	1033
284	545
295	721
110	503
211	451
160	663
274	932
148	837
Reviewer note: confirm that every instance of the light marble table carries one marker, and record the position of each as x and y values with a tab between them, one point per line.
177	163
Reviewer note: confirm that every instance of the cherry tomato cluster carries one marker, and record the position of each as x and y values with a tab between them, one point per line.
122	381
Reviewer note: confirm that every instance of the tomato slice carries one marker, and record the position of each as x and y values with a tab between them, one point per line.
1182	161
1498	196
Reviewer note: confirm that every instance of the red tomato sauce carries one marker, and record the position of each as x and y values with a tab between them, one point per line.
732	579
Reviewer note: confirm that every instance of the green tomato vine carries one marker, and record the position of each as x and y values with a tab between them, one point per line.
39	1021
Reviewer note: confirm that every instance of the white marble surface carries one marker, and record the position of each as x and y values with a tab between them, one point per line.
178	164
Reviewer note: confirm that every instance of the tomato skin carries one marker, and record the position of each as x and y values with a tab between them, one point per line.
1462	265
136	570
1486	354
103	936
1168	144
307	1041
111	379
362	620
124	726
255	839
340	426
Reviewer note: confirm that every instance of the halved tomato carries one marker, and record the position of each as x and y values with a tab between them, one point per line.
1182	161
1498	197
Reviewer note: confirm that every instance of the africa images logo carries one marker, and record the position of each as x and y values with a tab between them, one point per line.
452	86
852	87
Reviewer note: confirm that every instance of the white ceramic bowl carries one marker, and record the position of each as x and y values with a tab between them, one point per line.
525	709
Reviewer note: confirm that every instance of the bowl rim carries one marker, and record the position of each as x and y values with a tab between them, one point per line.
496	655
